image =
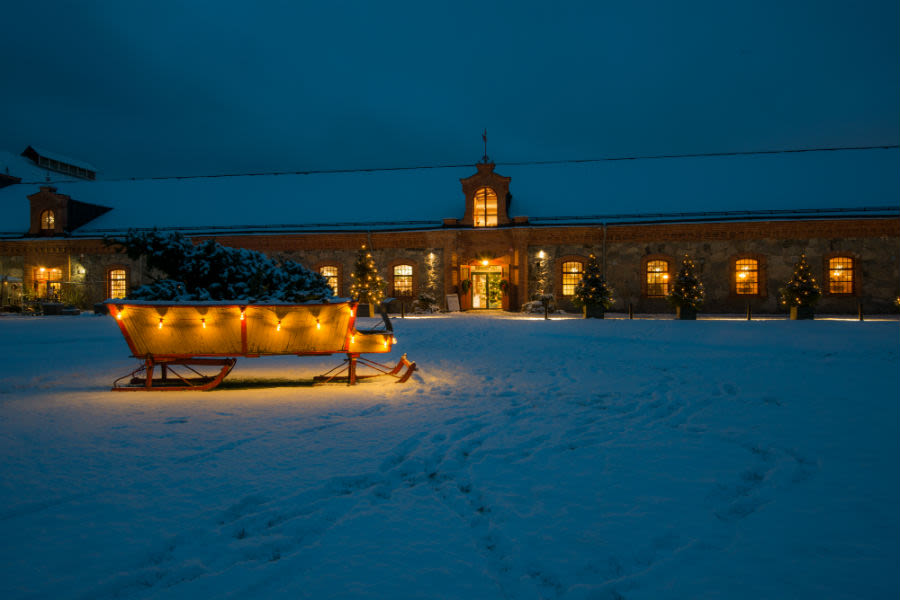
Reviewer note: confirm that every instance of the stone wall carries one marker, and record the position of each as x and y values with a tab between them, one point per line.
877	271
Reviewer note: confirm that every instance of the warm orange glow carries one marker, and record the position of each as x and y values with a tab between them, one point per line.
279	326
484	263
160	323
393	340
352	338
318	325
351	312
203	321
42	269
242	315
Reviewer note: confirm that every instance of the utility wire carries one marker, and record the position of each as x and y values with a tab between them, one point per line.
501	164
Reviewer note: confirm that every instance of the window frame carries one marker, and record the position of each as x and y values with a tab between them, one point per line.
339	277
561	274
761	276
854	274
413	279
47	220
749	285
485	212
107	280
645	266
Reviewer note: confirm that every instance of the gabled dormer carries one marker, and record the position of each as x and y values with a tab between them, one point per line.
487	198
57	214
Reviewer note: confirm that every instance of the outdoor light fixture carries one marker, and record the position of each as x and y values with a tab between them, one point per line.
119	315
278	328
542	255
160	323
203	322
318	325
484	263
242	315
393	340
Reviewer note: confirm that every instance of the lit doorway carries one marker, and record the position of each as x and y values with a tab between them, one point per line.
486	290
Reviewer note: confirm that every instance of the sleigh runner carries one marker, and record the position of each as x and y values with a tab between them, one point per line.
179	344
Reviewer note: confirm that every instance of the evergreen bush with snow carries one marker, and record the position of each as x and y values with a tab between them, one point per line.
367	285
211	271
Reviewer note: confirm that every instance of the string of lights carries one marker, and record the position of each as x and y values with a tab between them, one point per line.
500	164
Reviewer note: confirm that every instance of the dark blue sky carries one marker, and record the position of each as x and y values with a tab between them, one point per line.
173	88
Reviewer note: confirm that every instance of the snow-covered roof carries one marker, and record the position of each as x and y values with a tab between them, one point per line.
422	198
24	169
64	159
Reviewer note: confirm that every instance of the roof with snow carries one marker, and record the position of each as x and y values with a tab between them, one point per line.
75	162
746	187
16	165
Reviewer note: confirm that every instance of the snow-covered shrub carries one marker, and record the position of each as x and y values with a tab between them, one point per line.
211	271
426	303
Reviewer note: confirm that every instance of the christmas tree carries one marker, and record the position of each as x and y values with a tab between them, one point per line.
802	289
366	285
593	291
687	290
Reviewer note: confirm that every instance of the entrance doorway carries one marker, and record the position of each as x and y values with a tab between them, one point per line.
486	291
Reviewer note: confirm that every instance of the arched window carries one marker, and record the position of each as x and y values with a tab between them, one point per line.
571	276
331	275
485	214
841	275
117	283
48	220
657	278
746	276
402	280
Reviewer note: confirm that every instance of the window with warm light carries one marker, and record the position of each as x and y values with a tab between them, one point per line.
118	283
485	214
48	220
571	276
657	278
403	280
840	275
746	276
330	273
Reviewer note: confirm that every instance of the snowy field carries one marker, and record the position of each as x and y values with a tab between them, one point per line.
526	459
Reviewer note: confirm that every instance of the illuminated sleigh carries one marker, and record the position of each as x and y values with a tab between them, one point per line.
177	341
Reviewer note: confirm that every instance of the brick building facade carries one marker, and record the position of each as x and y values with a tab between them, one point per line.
505	260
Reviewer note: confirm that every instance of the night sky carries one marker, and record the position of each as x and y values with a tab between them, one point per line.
180	88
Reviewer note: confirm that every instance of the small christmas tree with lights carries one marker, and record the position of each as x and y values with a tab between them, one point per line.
687	293
802	292
366	285
592	293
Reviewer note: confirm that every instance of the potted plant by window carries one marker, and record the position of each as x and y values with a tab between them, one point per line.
801	293
592	294
687	293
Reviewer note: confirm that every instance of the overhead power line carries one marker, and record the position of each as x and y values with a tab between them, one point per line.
500	164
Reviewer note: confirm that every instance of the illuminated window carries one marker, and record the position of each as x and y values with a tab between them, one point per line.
118	283
48	220
571	276
330	273
485	208
840	275
403	280
657	278
746	276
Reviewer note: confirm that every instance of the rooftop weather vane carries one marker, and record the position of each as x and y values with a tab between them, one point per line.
485	157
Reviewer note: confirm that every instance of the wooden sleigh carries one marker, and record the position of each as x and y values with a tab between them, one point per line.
193	346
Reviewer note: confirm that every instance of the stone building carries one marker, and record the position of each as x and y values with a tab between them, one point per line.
498	236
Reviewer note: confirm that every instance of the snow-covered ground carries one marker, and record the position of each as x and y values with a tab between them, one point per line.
526	459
